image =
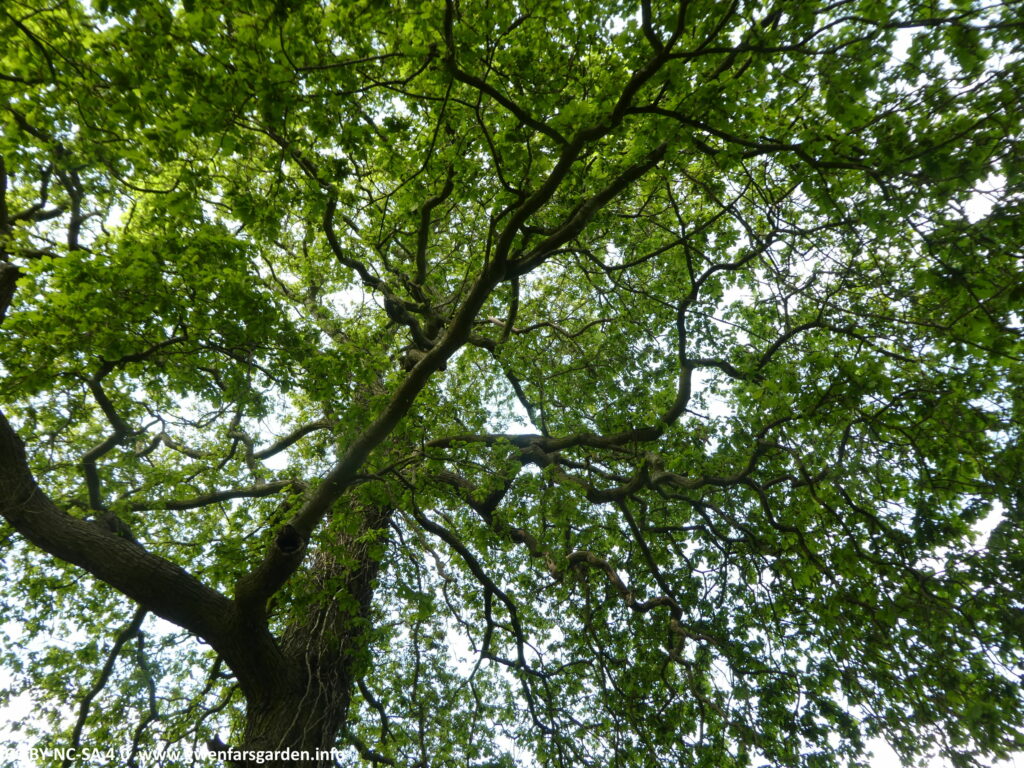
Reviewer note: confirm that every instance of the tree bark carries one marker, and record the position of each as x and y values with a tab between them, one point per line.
327	649
299	727
297	689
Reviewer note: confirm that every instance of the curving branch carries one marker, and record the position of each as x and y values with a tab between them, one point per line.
483	87
215	497
156	584
129	631
477	569
468	493
152	710
89	461
343	475
424	229
585	212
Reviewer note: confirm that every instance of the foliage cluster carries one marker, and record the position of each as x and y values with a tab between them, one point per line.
620	382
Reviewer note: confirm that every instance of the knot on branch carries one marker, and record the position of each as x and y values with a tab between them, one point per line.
221	751
289	540
109	521
534	454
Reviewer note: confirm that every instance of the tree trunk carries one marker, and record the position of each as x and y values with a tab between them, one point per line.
299	727
326	650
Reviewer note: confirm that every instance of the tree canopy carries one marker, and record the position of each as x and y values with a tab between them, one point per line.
575	383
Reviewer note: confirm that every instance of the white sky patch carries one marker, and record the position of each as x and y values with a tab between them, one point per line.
983	201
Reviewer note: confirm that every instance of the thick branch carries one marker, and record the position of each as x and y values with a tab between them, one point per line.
93	455
156	584
214	497
256	587
575	225
290	439
9	275
5	223
424	231
460	328
648	27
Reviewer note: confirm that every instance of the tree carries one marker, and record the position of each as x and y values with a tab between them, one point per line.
592	383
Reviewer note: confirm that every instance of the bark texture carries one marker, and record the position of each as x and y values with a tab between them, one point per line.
325	649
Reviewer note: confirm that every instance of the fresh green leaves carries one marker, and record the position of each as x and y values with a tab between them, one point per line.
633	381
